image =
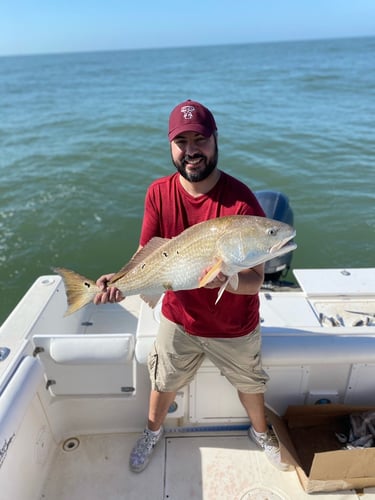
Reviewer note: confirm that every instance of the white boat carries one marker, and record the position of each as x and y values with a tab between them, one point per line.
74	394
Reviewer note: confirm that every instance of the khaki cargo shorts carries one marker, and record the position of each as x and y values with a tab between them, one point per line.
176	356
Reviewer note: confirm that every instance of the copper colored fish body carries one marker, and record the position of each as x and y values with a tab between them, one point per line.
225	244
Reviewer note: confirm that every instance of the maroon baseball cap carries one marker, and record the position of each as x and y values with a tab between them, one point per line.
191	116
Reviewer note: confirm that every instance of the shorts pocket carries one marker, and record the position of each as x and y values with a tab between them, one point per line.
153	362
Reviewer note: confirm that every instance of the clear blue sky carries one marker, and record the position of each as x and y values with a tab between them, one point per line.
48	26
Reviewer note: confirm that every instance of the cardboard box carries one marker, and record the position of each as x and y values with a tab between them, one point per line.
308	441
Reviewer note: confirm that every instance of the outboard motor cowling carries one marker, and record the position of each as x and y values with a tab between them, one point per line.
276	206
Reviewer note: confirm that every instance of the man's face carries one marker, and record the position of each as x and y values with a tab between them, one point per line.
194	155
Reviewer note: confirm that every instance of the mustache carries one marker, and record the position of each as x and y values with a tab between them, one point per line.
197	156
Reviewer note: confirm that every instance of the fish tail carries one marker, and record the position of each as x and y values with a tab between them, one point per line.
80	291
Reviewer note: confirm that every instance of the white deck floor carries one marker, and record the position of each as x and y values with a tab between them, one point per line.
184	467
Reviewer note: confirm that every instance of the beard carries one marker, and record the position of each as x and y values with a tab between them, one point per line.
201	173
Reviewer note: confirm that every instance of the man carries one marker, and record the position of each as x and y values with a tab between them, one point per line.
192	326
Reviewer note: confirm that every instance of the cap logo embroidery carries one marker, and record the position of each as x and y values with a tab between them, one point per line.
187	112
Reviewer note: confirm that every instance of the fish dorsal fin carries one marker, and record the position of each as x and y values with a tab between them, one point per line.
212	273
154	244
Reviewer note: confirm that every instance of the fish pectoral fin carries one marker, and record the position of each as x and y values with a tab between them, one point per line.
211	274
232	281
151	300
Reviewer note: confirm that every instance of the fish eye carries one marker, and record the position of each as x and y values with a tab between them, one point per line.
271	231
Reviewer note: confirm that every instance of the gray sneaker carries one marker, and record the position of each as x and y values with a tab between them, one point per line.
143	449
270	445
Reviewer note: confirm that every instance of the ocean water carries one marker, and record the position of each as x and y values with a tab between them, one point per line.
83	135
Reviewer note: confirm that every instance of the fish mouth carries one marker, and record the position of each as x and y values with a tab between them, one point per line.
284	246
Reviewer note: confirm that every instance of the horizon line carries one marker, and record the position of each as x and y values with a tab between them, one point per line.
173	47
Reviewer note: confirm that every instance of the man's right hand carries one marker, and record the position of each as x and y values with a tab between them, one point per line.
107	294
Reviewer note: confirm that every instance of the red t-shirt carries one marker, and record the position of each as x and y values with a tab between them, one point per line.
169	209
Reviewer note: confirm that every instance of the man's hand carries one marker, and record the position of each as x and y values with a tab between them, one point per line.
107	294
216	282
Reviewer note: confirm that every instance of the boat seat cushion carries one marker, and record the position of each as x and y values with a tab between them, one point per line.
88	349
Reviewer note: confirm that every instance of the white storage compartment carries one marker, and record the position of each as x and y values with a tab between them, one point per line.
87	365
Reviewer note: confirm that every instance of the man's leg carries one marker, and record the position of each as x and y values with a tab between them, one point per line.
158	408
254	406
144	447
165	374
259	432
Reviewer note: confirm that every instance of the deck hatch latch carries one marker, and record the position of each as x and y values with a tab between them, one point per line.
127	389
37	351
49	383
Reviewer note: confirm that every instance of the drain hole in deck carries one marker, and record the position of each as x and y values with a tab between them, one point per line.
70	444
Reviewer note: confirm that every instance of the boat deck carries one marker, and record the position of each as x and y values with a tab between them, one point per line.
202	466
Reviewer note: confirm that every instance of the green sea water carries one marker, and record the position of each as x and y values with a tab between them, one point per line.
83	135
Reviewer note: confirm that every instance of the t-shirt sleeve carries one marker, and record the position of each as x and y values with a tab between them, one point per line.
251	206
150	223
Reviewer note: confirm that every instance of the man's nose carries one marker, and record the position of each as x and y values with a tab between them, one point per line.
191	148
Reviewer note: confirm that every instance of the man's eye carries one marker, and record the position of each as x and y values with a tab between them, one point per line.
202	140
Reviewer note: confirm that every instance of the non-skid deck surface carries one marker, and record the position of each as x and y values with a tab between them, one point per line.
184	467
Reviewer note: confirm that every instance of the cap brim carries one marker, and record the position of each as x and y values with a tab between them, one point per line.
194	127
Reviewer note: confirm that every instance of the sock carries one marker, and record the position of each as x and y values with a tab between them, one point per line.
155	433
259	434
